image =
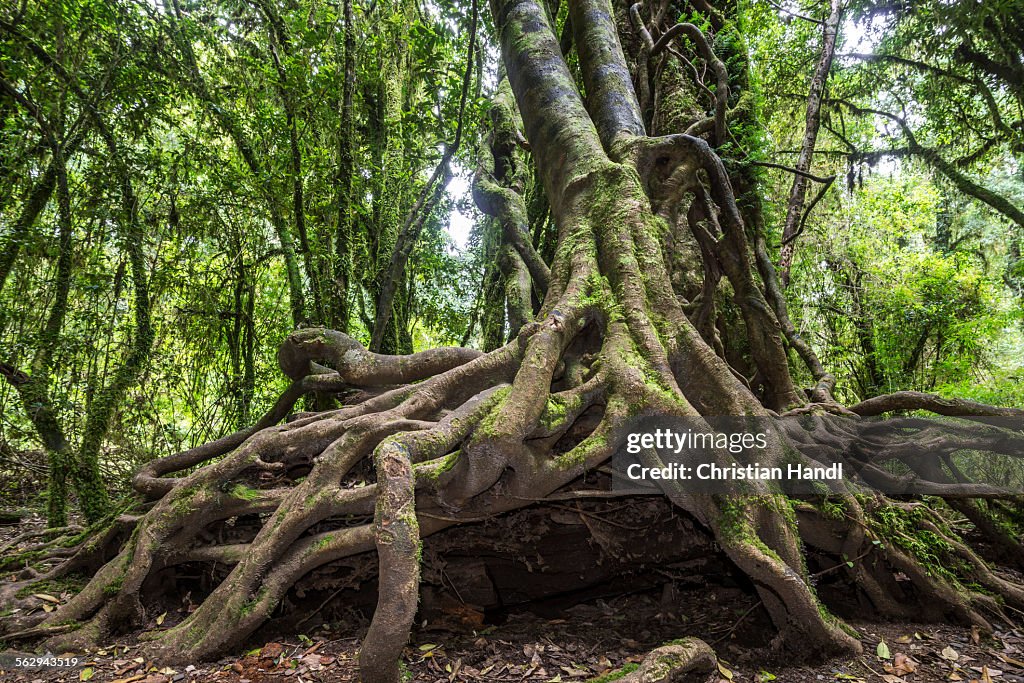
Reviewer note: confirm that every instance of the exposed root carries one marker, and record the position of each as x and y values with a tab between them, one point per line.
688	660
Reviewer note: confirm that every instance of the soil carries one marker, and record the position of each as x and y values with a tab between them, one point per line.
571	638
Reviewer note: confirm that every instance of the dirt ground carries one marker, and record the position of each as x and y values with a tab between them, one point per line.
583	642
573	639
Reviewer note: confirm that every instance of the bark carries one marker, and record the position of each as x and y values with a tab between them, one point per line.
33	388
279	42
499	187
798	192
391	185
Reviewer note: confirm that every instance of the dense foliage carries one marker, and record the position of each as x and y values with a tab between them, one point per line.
235	169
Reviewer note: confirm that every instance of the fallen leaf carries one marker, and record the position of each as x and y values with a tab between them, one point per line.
949	654
160	619
1010	660
883	650
47	598
889	678
271	651
725	672
130	679
86	673
901	665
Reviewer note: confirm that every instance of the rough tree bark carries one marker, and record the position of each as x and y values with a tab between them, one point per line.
453	435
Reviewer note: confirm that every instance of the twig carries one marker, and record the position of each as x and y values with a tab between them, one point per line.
738	622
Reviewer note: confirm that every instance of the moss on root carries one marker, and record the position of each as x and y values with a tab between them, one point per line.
68	584
616	675
936	556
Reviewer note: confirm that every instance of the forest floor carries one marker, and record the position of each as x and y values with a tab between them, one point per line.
562	642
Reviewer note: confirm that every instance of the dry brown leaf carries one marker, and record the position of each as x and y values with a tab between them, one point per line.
130	679
1010	660
271	651
902	665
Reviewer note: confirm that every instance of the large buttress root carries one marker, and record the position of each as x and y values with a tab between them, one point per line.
397	537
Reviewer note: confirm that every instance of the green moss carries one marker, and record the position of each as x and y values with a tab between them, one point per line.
432	469
250	605
244	492
902	528
736	527
488	426
556	410
114	587
579	455
52	587
833	509
183	499
615	675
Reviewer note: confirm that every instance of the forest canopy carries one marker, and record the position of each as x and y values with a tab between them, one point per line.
505	229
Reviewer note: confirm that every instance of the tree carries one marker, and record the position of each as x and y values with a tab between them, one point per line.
454	434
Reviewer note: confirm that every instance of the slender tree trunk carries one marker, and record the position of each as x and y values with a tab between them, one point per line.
798	192
340	298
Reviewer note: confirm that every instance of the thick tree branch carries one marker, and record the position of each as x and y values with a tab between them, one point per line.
611	101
